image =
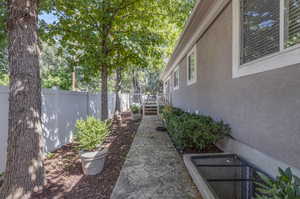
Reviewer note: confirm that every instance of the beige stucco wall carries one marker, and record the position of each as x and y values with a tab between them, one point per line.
263	109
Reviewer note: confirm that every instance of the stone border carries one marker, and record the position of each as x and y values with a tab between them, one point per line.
203	187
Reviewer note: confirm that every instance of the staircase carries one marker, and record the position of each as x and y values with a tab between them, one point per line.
150	108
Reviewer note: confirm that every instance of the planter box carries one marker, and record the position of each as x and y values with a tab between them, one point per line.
93	162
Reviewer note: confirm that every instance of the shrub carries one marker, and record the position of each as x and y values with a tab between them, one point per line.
161	108
193	131
135	108
90	133
285	186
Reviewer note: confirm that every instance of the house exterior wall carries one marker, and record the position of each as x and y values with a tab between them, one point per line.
263	109
204	7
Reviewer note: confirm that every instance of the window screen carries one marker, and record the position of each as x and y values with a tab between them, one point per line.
292	25
260	28
176	78
191	66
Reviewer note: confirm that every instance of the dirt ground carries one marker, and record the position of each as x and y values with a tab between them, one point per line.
64	175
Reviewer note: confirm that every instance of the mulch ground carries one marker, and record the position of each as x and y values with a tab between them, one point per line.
64	175
209	149
189	150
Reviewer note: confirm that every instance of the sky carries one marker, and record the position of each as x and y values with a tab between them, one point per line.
48	18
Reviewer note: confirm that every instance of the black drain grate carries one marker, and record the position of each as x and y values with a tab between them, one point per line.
228	176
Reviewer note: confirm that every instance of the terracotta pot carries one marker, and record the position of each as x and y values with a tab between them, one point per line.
93	162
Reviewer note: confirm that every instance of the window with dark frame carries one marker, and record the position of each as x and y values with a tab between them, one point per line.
176	78
191	66
261	28
292	23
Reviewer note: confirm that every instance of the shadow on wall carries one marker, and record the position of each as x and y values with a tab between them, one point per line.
94	106
3	125
60	111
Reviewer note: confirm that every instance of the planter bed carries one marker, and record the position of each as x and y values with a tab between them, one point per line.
64	175
209	149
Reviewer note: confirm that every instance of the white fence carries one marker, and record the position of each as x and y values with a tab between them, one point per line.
60	110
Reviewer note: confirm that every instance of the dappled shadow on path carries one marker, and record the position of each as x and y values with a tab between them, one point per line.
64	174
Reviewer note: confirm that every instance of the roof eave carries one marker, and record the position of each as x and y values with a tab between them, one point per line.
187	24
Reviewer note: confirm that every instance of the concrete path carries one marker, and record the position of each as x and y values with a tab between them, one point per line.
153	169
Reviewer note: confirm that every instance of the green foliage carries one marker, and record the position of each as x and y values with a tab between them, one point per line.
285	186
50	155
4	79
3	65
91	133
135	108
55	70
193	131
116	33
1	174
3	32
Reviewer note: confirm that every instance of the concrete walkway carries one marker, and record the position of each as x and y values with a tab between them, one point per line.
153	169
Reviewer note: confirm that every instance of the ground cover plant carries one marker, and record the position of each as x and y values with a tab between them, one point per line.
285	186
191	130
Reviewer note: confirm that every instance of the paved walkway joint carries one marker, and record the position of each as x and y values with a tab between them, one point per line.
153	168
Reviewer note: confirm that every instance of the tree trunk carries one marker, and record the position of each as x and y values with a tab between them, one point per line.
74	81
24	169
118	89
136	88
104	100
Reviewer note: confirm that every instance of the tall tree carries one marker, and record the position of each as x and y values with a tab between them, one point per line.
24	169
95	29
118	88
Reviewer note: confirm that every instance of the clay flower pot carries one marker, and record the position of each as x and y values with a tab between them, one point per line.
93	162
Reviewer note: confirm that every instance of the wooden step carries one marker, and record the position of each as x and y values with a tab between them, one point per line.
150	109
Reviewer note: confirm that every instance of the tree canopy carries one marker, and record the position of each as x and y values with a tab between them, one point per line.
103	35
95	37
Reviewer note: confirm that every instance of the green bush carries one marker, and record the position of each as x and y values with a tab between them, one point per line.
285	186
193	131
135	109
90	133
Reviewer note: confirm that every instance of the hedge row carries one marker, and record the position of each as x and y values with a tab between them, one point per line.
191	130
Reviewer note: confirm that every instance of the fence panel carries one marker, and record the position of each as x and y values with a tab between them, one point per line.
60	110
